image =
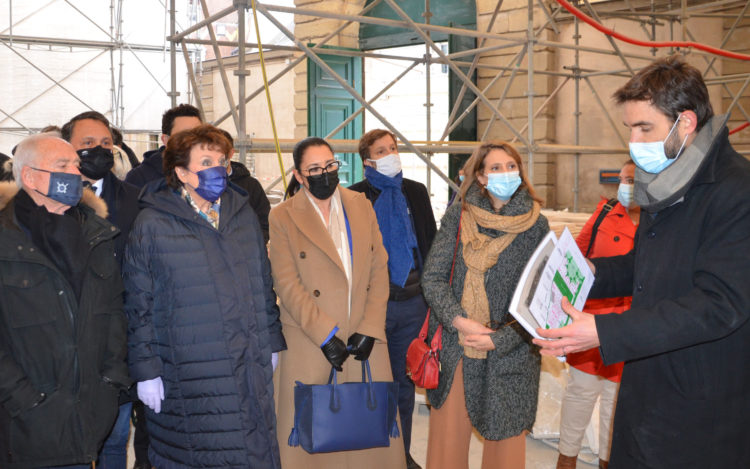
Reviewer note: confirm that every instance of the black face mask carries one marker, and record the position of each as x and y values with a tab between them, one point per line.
324	185
96	162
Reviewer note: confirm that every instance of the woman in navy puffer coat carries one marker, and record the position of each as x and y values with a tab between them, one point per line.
203	320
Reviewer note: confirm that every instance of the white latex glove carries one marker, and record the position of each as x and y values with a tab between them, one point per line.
151	393
274	360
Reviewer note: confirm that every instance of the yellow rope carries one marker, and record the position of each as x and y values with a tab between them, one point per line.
268	97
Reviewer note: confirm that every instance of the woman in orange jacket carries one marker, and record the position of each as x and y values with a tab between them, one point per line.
609	232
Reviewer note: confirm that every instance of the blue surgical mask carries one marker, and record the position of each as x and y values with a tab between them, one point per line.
212	182
389	165
625	194
651	157
460	178
65	188
503	185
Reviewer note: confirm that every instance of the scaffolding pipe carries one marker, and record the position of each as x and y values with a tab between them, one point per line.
530	90
207	20
577	139
266	145
296	61
222	69
242	72
191	74
39	69
455	69
172	57
428	94
50	88
477	52
344	84
359	111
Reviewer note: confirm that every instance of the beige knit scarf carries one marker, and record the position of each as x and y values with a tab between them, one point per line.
480	252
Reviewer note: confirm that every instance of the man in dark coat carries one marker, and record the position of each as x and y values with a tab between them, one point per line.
239	175
408	227
62	327
90	135
683	400
174	120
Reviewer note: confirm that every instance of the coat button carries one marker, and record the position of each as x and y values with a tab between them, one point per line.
316	293
20	248
639	287
617	238
652	234
302	254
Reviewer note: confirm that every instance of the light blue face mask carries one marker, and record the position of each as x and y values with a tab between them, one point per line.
625	194
503	185
651	157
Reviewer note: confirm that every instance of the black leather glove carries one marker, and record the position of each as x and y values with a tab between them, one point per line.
360	346
335	352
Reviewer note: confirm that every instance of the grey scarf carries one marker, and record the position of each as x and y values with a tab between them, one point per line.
655	192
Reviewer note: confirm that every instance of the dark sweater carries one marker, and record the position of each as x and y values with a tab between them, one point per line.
258	200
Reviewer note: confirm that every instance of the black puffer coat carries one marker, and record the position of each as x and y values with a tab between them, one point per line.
72	351
203	316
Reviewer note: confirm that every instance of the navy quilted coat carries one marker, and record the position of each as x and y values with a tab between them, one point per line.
202	315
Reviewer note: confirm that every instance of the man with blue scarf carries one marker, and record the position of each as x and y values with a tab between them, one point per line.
407	224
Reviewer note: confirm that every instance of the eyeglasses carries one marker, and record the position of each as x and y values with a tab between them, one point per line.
330	167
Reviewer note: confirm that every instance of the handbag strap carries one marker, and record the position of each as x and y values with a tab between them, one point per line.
606	208
437	339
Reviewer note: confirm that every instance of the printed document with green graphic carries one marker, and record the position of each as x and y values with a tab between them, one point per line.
557	269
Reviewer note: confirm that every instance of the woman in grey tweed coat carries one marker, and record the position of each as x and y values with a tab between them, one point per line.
489	367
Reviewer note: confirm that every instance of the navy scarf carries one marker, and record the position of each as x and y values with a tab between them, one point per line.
395	224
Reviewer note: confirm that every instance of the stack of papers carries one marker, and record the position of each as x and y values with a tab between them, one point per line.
557	269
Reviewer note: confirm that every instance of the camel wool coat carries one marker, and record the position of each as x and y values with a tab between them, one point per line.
311	284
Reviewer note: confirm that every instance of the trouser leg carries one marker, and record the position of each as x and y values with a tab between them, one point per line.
403	322
607	403
114	453
580	397
509	453
140	436
450	429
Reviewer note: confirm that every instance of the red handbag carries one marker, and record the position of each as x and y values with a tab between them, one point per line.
423	361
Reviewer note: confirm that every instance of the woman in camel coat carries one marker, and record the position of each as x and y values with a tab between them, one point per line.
313	266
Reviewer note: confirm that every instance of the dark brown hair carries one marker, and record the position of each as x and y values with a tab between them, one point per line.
297	153
183	110
67	129
369	138
475	165
177	152
673	86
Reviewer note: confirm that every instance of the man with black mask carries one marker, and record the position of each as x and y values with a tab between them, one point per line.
62	326
91	137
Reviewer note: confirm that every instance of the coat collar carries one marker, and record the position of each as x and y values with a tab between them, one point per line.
309	223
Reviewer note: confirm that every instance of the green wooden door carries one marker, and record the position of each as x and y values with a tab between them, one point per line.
329	105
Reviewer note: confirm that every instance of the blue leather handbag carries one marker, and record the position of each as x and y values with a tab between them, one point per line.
343	417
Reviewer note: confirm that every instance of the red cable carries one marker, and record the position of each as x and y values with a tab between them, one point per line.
610	32
739	128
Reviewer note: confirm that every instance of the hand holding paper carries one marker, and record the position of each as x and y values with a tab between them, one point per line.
580	335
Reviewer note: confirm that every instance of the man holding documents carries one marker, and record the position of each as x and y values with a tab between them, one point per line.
683	401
